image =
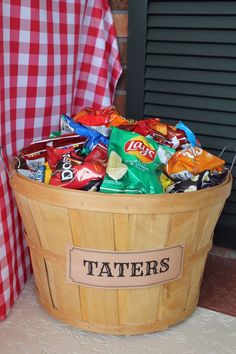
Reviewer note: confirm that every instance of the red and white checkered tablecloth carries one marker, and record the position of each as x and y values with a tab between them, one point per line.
55	57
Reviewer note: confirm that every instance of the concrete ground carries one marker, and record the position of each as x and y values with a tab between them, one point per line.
30	330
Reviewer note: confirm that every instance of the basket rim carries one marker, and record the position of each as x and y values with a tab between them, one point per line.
119	202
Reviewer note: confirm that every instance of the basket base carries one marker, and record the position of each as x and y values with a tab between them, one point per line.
131	329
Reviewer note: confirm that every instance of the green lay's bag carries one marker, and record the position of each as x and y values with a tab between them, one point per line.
135	164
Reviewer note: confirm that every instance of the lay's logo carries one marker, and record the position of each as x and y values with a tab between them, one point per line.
140	148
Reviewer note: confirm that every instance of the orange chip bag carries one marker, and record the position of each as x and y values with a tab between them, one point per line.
101	120
161	127
116	120
187	163
108	116
90	116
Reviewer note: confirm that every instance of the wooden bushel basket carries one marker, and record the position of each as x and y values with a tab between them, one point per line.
55	218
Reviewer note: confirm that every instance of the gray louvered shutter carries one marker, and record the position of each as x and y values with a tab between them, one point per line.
182	66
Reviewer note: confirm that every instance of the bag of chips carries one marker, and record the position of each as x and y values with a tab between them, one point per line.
43	174
93	136
85	176
204	180
54	155
162	133
135	164
187	163
35	153
70	170
99	153
165	181
101	120
169	135
190	135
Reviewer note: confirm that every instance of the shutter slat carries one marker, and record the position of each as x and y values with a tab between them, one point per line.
230	208
183	113
191	62
198	49
224	105
210	142
190	74
180	21
192	35
231	199
196	89
192	7
228	220
209	77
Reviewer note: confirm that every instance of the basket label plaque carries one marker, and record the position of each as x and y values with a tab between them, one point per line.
114	269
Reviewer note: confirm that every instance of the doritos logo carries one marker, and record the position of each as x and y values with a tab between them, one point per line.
141	149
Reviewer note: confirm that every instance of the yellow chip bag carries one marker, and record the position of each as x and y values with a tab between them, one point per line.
165	181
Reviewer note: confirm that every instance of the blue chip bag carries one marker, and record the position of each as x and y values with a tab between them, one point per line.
190	135
94	137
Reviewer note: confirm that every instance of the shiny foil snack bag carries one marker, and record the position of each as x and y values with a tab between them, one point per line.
99	153
101	120
93	137
169	135
72	171
135	164
163	133
187	163
42	174
85	176
205	179
35	154
54	155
